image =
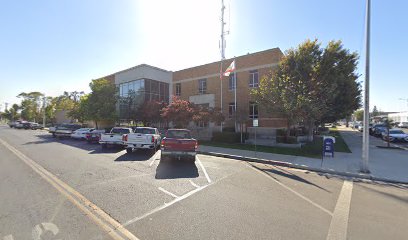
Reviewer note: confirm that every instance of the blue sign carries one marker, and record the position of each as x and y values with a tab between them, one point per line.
328	146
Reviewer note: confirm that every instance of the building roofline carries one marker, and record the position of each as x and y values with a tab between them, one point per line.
229	59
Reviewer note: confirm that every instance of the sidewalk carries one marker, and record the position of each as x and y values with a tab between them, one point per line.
384	164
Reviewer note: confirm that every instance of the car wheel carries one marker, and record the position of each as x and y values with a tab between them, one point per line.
53	135
129	150
104	145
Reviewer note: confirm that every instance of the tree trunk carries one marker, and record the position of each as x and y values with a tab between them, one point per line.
96	124
287	131
310	131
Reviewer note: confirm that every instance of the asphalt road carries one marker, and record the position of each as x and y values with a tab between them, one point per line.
67	189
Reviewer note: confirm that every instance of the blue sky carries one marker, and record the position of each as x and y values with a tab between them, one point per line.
55	46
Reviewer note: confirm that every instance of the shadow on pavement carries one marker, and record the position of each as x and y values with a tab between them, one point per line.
387	194
287	174
176	169
139	155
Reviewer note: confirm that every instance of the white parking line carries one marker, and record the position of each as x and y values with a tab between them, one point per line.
205	172
153	159
167	192
291	190
339	222
164	206
193	183
100	217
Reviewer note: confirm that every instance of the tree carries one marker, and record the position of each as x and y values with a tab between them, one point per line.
359	114
388	125
179	111
375	112
310	83
31	105
150	112
337	69
100	104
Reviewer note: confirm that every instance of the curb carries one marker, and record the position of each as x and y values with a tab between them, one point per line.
303	167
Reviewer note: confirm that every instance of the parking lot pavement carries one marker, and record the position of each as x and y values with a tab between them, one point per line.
215	198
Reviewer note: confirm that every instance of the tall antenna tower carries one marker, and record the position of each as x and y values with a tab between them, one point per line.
222	48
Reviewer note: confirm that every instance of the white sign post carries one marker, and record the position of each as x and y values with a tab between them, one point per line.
255	124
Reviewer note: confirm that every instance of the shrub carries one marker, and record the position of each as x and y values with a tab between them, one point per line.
281	132
228	137
283	139
228	129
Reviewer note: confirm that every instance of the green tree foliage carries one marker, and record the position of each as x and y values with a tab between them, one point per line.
31	105
100	104
375	112
312	84
359	114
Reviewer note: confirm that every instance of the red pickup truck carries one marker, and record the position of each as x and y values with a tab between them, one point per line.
178	144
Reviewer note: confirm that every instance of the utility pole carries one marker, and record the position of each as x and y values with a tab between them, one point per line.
222	46
366	141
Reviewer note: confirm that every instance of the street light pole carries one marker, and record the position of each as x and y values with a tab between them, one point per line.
365	151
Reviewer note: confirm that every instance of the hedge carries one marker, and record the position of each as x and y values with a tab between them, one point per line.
228	137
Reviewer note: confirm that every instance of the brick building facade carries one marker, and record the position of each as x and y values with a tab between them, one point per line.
202	85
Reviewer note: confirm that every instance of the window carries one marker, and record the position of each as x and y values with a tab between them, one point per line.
178	89
253	79
253	110
202	86
231	110
232	81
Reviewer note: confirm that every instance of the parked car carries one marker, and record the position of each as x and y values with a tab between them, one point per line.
178	144
114	137
81	133
395	135
403	125
35	126
142	138
14	123
94	135
377	129
20	124
360	128
26	125
52	129
66	130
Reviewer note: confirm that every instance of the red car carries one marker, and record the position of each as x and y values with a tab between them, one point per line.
94	136
178	144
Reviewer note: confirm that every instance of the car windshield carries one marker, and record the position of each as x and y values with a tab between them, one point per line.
145	130
179	134
120	130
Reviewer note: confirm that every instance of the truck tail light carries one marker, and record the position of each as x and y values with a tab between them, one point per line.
152	139
125	137
163	142
196	144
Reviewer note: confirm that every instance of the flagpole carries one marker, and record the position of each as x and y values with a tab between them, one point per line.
235	93
222	52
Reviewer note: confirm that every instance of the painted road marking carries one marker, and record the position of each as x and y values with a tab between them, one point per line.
167	192
194	184
106	222
290	189
153	159
339	222
205	172
164	206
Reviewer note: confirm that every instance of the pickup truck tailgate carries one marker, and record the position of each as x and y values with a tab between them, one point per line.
137	138
187	145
